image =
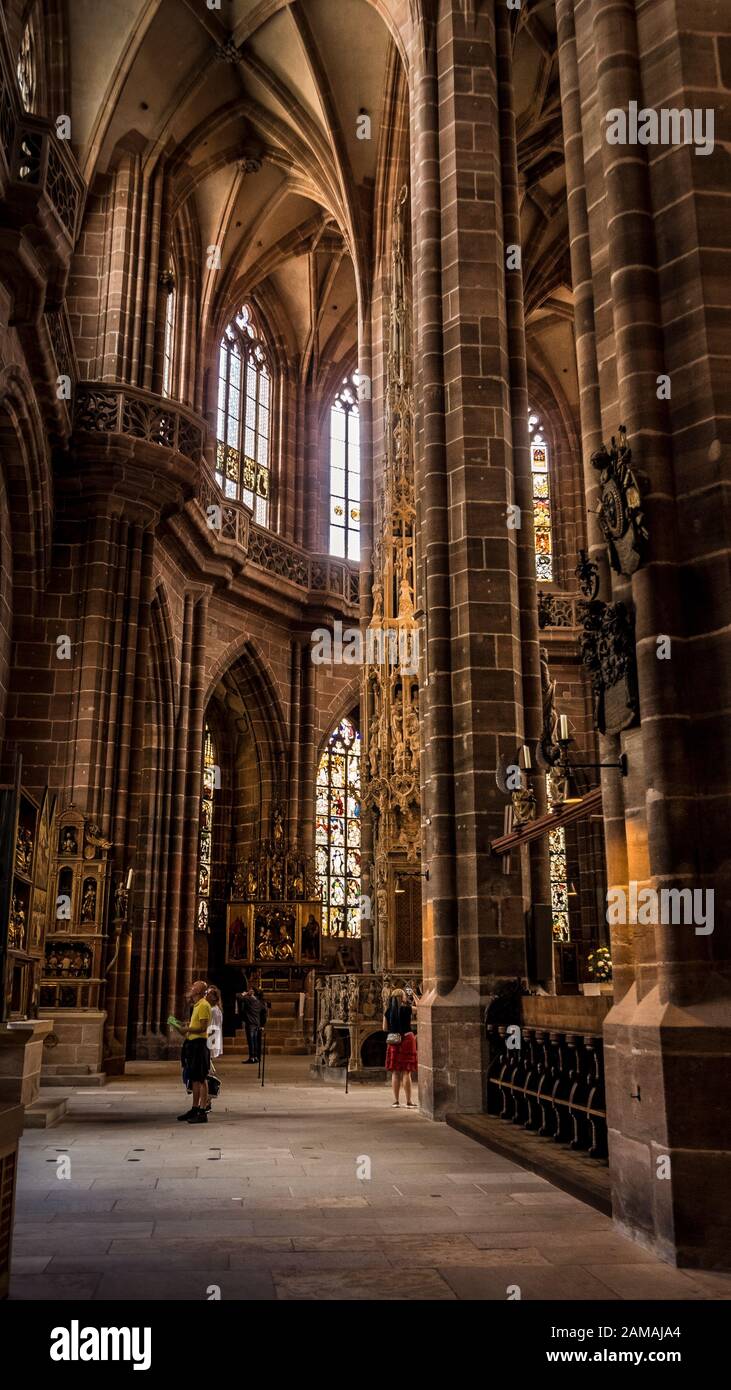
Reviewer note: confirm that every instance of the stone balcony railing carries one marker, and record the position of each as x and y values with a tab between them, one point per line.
43	170
558	609
43	194
106	408
318	574
128	413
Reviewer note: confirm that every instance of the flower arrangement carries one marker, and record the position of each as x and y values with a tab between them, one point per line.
599	964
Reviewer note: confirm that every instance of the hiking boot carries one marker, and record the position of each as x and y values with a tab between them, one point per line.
199	1117
187	1114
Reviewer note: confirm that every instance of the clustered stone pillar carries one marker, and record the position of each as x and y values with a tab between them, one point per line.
591	437
435	694
365	414
193	794
111	697
668	1037
473	685
539	881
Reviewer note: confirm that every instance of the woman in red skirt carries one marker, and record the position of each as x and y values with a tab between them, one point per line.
401	1048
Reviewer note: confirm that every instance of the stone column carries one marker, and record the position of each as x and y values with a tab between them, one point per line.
189	904
172	924
465	455
441	967
131	726
539	879
365	416
295	752
308	750
669	1137
615	840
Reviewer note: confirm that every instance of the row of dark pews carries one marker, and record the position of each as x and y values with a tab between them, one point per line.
551	1083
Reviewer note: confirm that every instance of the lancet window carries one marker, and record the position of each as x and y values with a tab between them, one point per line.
244	416
539	462
208	789
338	831
345	472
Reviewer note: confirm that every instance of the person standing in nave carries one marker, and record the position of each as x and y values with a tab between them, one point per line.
215	1043
401	1057
253	1008
196	1056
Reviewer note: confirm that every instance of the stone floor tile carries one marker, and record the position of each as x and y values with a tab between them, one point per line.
376	1286
54	1288
267	1195
307	1261
717	1283
646	1281
235	1285
597	1249
29	1264
437	1251
570	1282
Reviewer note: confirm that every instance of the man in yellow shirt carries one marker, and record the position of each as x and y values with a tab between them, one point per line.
196	1057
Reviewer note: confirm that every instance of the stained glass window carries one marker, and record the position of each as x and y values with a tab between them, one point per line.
541	497
559	884
337	832
206	830
167	369
243	429
345	472
26	68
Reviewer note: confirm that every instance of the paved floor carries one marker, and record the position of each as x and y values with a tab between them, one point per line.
298	1191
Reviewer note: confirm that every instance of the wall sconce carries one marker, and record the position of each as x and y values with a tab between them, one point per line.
567	767
424	873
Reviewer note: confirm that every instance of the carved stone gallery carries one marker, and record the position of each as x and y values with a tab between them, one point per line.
364	618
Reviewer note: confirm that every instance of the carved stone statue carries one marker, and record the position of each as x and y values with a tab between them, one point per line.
88	902
549	742
24	851
524	805
278	828
333	1051
406	601
284	949
94	840
557	786
16	933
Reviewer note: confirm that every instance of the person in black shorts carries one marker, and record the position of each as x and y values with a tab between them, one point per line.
196	1055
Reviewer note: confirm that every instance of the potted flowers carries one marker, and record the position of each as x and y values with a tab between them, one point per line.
599	964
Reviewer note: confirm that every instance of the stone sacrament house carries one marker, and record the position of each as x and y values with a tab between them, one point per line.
347	319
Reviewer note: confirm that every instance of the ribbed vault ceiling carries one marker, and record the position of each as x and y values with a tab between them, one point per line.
256	105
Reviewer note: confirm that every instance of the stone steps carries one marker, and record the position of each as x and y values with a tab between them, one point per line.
45	1112
284	1037
73	1080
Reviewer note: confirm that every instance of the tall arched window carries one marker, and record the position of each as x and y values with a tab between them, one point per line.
337	832
167	363
206	830
27	68
539	462
244	416
345	472
559	884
